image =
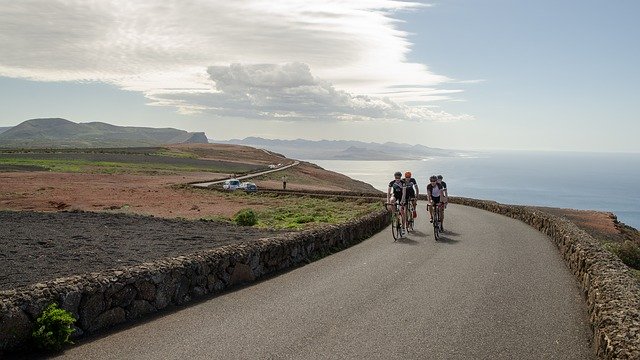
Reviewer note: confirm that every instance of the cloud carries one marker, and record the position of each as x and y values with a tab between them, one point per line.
289	92
293	59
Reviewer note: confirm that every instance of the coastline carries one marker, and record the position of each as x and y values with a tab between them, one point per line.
545	179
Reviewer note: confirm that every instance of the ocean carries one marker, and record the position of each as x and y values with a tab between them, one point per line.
585	181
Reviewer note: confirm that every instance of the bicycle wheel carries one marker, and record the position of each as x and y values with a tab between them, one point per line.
409	215
436	226
394	226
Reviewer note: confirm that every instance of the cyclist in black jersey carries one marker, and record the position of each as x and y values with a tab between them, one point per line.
444	197
412	190
444	187
397	194
434	190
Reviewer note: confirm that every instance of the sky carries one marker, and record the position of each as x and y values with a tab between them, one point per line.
476	75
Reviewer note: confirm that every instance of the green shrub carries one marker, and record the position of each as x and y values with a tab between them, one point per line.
629	253
53	328
246	217
303	219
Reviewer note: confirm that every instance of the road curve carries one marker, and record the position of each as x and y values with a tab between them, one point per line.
244	177
494	288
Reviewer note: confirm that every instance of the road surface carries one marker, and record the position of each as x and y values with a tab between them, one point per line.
493	288
249	176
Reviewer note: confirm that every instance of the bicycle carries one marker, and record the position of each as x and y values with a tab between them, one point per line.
409	214
396	222
437	223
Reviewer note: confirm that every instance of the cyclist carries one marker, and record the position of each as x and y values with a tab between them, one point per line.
444	187
444	198
396	193
434	190
412	190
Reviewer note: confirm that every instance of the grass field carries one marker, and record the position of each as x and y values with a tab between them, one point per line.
299	212
118	161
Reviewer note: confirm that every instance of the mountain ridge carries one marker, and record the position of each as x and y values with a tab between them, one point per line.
58	132
342	149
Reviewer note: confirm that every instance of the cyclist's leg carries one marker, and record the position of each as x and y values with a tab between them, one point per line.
403	214
392	204
430	208
415	204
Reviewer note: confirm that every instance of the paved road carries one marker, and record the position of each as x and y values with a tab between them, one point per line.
493	289
249	176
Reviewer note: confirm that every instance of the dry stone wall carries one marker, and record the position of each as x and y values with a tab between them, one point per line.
102	300
612	293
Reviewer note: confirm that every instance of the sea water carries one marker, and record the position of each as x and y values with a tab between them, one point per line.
586	181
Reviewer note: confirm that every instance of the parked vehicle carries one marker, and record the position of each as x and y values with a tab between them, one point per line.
248	187
231	184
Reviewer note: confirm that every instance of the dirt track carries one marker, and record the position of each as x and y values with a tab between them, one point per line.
37	247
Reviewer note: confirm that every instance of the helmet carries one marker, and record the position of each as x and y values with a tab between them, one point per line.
407	174
397	173
439	177
433	178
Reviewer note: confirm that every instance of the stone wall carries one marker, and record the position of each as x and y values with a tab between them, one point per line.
611	291
105	299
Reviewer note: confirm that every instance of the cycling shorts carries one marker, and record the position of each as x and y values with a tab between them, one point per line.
411	194
436	199
399	201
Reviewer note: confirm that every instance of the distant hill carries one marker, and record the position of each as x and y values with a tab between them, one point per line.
3	129
56	132
342	149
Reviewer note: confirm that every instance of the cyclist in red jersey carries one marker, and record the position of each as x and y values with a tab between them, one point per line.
412	190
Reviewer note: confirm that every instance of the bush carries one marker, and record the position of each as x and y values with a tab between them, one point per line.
246	217
629	253
53	328
303	219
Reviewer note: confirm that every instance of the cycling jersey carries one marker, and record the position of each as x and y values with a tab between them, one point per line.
411	192
435	190
397	187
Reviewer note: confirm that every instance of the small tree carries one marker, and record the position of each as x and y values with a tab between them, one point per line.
53	328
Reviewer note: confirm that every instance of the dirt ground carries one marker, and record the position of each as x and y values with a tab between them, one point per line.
61	224
601	225
137	194
39	246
